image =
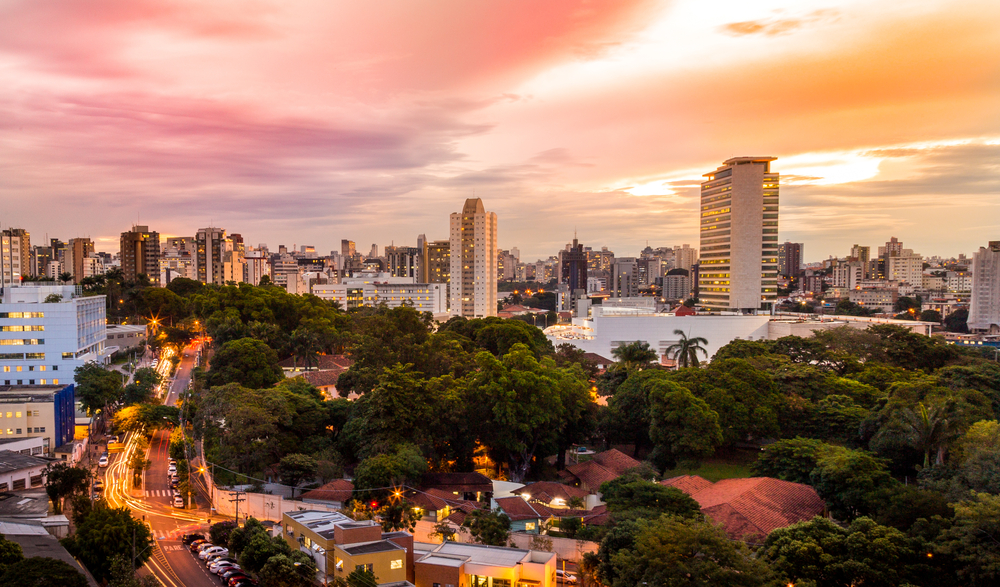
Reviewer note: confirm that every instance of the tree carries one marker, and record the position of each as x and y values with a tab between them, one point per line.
444	531
123	575
245	361
295	569
820	552
490	527
219	532
632	492
927	430
10	552
790	459
930	316
144	384
518	405
682	426
397	515
96	387
685	351
39	571
674	551
362	577
52	299
852	482
635	354
974	539
388	470
296	468
957	321
63	480
106	532
65	277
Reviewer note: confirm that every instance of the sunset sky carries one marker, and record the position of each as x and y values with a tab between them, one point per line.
306	122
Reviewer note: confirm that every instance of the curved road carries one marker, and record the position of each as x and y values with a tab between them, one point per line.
172	564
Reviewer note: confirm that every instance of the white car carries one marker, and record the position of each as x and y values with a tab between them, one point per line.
171	470
214	550
103	461
217	566
178	501
565	577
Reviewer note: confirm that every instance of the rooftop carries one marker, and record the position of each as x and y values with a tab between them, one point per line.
370	547
500	556
14	461
339	490
29	393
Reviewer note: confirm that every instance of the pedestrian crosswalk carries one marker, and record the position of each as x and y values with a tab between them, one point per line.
159	493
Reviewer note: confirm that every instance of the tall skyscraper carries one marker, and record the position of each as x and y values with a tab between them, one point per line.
625	277
210	251
347	248
864	256
473	261
984	308
573	267
404	262
790	259
738	267
25	249
11	269
685	257
140	254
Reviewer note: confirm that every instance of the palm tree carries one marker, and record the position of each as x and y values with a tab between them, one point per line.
65	277
927	430
685	350
634	354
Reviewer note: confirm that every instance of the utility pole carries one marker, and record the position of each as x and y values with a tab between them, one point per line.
237	499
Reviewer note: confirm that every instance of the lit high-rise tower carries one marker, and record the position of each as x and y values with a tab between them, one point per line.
738	267
473	261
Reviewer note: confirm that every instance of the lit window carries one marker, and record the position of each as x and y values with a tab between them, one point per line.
396	564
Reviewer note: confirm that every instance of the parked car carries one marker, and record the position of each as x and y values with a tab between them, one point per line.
232	574
193	547
98	486
242	582
189	538
202	546
103	461
113	439
213	550
178	501
218	567
565	577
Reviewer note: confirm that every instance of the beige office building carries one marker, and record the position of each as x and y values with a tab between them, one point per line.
473	251
738	267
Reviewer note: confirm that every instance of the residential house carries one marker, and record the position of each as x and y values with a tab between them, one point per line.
18	471
466	486
524	515
602	467
455	564
336	493
751	508
559	496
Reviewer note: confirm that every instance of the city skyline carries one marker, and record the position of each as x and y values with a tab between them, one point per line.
309	123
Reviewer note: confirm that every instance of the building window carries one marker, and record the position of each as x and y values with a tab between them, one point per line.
365	567
18	484
42	429
18	430
43	381
55	382
529	526
396	564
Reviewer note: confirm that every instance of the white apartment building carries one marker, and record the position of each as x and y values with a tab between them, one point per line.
907	267
739	236
958	281
473	261
424	297
258	265
685	257
984	308
676	287
848	275
42	343
210	244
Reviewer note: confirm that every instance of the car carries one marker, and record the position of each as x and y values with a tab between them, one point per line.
219	566
98	486
207	552
113	439
215	557
103	461
197	545
187	539
565	577
171	471
228	574
178	501
243	581
172	462
174	483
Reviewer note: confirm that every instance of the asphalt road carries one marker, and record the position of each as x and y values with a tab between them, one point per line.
171	561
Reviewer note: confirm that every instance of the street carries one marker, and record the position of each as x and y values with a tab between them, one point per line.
171	563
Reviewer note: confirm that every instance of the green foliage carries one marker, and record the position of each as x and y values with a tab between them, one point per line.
296	468
10	552
518	405
123	575
362	577
106	532
792	459
247	362
972	540
39	571
957	321
635	354
96	387
295	569
63	480
143	386
406	465
627	420
631	492
673	551
685	351
852	482
823	553
488	527
145	417
682	426
397	515
219	532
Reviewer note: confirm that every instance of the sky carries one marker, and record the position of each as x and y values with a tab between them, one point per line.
311	121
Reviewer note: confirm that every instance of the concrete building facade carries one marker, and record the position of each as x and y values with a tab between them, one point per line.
984	308
210	247
739	236
140	253
473	250
38	411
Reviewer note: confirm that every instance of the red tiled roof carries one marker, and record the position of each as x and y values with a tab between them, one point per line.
323	363
461	482
590	474
597	516
518	509
596	359
453	500
615	460
320	378
755	506
683	310
339	490
457	517
426	501
546	491
689	484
